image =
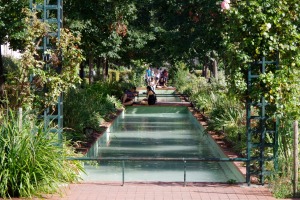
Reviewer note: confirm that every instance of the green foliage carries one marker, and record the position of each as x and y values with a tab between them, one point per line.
281	184
281	181
224	110
138	70
11	22
26	85
87	108
187	83
264	28
219	84
181	78
231	181
186	29
156	31
228	114
10	64
254	29
202	101
30	163
282	89
133	76
105	32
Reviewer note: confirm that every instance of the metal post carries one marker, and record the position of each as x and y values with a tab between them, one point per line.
296	166
123	176
20	118
262	129
248	125
46	119
60	119
59	17
184	173
275	149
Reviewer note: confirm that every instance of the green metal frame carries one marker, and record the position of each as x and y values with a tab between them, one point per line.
45	9
261	127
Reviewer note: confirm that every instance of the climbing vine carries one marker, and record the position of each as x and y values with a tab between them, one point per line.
268	28
43	76
254	29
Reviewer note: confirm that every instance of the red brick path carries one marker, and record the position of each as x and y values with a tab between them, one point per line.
163	191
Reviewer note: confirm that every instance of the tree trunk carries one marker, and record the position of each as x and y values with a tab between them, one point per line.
205	69
2	76
98	66
81	72
91	68
105	69
215	69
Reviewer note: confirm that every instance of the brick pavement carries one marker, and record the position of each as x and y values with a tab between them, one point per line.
162	191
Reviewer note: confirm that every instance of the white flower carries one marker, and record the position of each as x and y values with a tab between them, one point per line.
268	26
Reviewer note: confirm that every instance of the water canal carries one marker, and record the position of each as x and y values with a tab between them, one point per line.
158	132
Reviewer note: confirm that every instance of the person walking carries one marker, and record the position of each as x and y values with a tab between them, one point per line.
148	75
153	83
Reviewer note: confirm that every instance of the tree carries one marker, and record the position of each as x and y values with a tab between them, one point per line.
11	29
254	29
156	31
31	85
267	28
187	29
103	30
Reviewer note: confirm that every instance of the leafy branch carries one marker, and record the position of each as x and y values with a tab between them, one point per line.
38	81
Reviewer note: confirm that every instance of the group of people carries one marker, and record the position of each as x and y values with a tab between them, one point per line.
129	96
156	78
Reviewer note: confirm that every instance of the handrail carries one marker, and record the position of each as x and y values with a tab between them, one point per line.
163	95
184	160
159	159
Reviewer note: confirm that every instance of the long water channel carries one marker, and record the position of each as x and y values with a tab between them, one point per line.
158	132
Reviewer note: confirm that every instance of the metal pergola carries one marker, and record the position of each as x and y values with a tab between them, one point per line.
262	124
52	13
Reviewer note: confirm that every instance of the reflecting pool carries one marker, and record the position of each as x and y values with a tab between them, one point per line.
158	132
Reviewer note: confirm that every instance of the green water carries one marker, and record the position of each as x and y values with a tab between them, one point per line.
162	96
158	132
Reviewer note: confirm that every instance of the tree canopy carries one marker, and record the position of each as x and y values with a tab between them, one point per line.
11	27
165	31
265	28
156	31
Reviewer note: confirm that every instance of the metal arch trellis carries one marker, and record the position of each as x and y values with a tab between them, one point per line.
262	126
52	13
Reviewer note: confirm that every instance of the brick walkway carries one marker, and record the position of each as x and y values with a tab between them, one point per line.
163	191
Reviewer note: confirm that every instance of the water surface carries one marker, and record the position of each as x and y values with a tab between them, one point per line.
158	132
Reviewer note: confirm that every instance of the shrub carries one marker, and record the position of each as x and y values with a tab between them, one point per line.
87	108
281	182
30	162
228	114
